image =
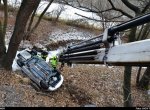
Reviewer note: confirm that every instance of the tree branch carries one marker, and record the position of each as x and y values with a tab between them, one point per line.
97	19
6	16
41	16
86	9
115	17
32	18
146	7
131	6
121	11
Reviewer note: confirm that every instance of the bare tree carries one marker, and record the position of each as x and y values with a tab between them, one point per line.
58	12
26	8
105	11
31	28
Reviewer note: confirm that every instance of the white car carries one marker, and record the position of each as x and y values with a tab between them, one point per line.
42	76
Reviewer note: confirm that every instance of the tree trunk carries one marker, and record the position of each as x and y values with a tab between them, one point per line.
132	36
138	76
127	86
3	27
140	32
30	24
144	82
26	8
145	31
127	74
29	32
2	42
5	16
31	20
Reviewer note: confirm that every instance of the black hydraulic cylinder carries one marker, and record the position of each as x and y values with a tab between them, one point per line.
94	52
86	48
90	57
129	24
85	41
89	45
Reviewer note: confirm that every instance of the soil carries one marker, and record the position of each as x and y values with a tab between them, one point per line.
83	84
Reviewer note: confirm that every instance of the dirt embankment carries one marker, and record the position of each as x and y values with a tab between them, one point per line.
83	84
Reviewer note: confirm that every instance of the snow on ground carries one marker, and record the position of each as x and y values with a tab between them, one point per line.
15	66
71	34
67	14
14	3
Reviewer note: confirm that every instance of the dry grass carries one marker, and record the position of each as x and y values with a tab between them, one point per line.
81	23
83	84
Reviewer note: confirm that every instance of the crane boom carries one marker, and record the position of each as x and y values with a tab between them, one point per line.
101	49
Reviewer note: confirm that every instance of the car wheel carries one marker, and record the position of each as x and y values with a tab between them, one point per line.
43	85
20	63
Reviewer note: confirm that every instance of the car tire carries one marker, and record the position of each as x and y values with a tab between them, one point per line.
20	63
44	85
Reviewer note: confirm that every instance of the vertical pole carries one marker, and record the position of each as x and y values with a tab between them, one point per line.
127	86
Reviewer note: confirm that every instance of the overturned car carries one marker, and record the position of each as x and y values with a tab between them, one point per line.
42	76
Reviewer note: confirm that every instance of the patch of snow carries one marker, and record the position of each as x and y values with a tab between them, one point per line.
6	47
144	67
71	34
26	44
54	53
7	37
38	45
14	3
15	66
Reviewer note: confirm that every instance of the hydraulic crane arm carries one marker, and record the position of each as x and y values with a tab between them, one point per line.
135	54
101	50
